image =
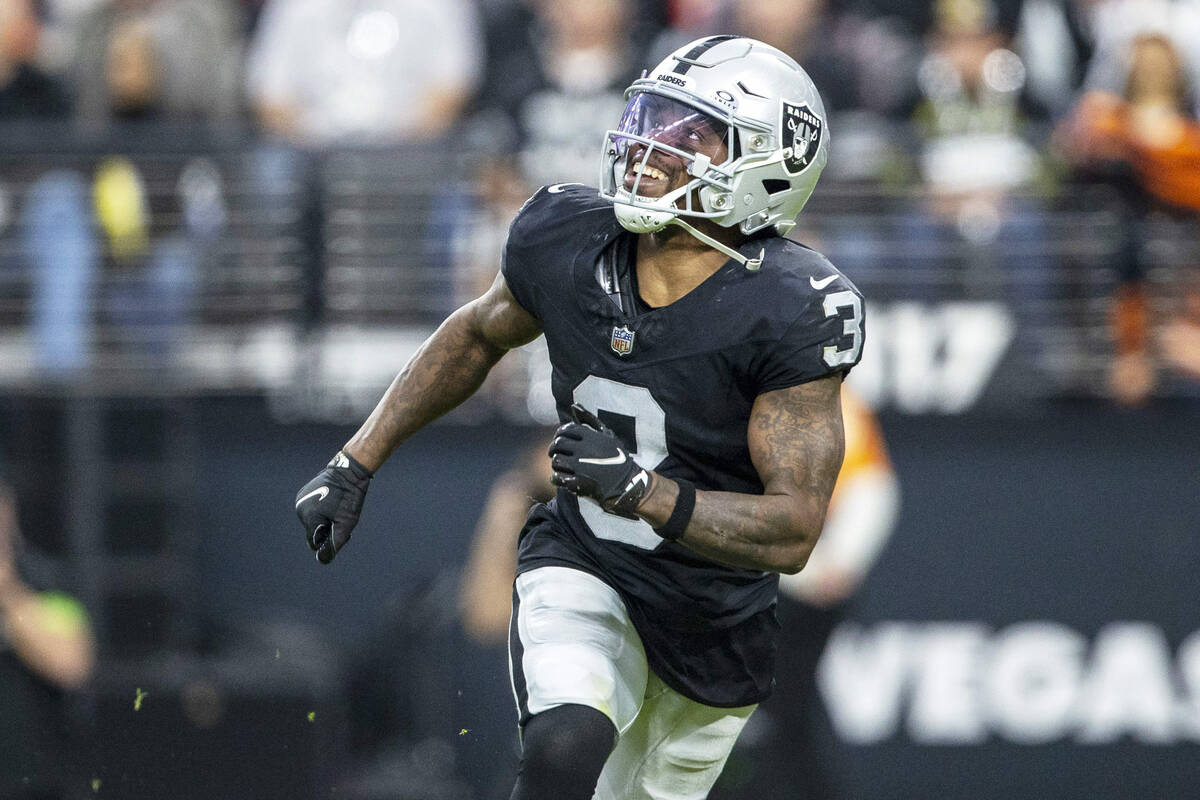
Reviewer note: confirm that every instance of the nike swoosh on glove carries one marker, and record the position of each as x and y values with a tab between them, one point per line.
329	505
589	460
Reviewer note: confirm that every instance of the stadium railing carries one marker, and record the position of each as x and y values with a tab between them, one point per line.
174	263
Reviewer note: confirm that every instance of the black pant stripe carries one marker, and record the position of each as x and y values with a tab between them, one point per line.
516	653
686	62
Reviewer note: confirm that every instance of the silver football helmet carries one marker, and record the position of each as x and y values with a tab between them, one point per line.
744	121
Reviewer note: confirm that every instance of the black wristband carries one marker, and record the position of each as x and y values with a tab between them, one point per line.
685	504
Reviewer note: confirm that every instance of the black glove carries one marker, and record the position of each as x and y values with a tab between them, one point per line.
589	460
329	505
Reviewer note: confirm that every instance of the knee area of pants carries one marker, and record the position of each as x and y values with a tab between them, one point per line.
705	748
565	736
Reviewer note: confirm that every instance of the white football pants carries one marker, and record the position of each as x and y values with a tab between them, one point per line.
571	641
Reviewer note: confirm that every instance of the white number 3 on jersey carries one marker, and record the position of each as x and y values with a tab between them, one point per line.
851	326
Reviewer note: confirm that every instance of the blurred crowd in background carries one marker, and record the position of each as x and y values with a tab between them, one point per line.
975	116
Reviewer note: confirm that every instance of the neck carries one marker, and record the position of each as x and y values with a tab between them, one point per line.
677	239
672	262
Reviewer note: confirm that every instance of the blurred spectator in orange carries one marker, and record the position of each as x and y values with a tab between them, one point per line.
1150	128
46	649
383	71
26	92
1147	142
172	60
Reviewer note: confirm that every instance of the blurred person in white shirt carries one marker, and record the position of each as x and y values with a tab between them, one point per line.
362	71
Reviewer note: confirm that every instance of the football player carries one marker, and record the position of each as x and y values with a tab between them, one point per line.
697	364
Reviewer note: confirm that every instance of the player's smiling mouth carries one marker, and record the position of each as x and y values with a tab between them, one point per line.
650	172
651	180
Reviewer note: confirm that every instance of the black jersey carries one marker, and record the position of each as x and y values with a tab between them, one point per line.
677	384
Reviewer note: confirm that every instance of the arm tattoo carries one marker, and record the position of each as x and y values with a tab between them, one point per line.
796	444
796	437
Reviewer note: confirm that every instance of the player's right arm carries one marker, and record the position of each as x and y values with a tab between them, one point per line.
447	369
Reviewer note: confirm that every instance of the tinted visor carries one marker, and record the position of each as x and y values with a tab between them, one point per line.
674	124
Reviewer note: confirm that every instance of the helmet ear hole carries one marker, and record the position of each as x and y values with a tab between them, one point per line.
775	185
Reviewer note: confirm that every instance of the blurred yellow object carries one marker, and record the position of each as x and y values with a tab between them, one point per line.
62	613
120	199
865	448
963	17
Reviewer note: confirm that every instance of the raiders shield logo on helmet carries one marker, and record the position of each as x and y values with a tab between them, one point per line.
622	340
801	131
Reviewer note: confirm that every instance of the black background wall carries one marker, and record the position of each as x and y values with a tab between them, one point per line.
1080	517
1046	560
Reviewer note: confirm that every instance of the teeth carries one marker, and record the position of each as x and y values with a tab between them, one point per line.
650	172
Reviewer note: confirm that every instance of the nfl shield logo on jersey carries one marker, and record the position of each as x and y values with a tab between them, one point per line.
622	340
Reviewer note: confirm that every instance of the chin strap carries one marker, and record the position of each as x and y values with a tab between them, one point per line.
752	264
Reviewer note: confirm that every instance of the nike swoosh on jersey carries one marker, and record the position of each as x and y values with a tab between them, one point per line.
559	187
318	493
619	458
821	284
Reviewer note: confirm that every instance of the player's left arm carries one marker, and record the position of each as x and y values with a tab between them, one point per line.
796	443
